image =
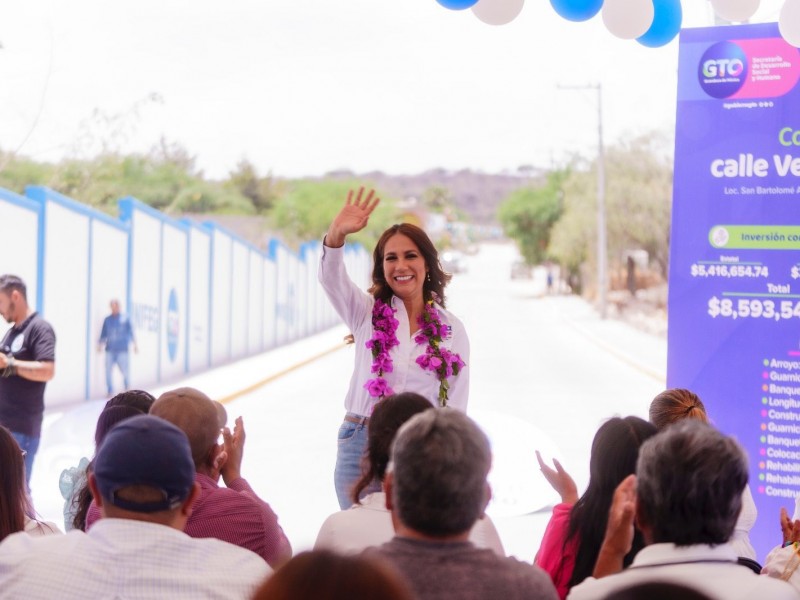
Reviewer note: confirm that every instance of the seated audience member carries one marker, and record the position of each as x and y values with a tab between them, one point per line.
72	481
657	590
143	482
436	489
685	498
77	507
16	513
324	575
368	522
677	404
783	561
234	513
575	532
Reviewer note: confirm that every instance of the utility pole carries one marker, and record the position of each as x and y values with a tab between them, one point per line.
602	246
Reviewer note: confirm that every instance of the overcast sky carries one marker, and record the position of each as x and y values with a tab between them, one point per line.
302	87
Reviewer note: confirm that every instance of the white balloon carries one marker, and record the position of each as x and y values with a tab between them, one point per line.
498	12
628	19
789	22
735	10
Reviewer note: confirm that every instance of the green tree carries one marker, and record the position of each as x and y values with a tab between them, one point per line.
262	191
528	215
638	206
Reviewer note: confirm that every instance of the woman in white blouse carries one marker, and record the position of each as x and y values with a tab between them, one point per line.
405	340
368	522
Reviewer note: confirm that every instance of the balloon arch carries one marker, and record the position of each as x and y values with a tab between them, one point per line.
652	23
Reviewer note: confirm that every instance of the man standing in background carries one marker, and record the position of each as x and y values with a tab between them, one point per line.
117	335
27	363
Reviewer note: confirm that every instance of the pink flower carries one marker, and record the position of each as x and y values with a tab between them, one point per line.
378	387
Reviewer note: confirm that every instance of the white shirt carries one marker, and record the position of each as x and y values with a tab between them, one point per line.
711	570
126	560
740	539
354	306
370	524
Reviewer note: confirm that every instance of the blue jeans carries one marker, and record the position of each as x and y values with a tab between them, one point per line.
121	360
352	441
30	445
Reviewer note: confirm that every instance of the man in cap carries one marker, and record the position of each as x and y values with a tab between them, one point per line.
143	482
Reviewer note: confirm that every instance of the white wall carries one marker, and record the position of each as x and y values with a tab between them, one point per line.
197	295
199	300
108	270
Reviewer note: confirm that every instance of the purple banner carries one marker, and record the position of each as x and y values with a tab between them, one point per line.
734	289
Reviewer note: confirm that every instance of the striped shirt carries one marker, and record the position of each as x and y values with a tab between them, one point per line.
127	560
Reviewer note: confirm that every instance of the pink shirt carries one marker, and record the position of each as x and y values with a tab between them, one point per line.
232	514
558	561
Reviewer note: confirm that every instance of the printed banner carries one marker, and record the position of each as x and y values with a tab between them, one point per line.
734	294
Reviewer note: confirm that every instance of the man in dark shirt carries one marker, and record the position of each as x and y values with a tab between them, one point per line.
27	363
436	489
117	334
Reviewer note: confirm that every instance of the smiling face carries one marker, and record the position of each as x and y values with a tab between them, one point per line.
404	267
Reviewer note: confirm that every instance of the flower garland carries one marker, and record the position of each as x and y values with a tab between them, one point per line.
437	359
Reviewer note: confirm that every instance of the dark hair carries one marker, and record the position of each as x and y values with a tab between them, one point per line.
674	405
656	590
389	414
325	575
9	283
440	460
136	398
14	504
437	278
615	449
110	416
689	484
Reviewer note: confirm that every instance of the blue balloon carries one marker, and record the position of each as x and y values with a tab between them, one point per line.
457	4
577	10
667	19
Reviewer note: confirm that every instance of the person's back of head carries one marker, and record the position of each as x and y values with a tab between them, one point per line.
110	417
138	399
676	404
196	415
656	590
144	471
690	479
389	415
615	450
439	463
324	575
13	489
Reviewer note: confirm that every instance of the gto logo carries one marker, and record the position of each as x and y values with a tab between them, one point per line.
722	70
723	67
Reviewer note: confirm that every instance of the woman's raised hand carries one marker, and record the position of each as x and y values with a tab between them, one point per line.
560	480
353	216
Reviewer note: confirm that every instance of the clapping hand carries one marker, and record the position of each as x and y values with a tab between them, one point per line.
618	539
790	529
353	216
560	480
234	448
